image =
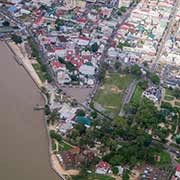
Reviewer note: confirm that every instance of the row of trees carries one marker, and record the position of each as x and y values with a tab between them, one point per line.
36	54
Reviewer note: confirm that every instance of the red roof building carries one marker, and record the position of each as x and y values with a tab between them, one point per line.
177	174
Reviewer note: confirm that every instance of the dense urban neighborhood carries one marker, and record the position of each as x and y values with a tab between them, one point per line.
109	71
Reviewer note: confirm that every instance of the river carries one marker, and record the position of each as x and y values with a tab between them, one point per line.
23	138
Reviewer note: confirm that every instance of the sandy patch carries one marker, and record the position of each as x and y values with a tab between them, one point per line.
115	90
102	88
60	170
135	175
110	107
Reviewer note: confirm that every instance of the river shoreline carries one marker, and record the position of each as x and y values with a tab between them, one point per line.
38	85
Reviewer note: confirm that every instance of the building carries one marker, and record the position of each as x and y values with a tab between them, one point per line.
103	168
87	69
177	174
83	120
153	93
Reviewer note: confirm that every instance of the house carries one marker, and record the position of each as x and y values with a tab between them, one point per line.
153	93
103	168
83	41
13	9
60	52
63	77
87	69
177	174
69	160
56	65
120	170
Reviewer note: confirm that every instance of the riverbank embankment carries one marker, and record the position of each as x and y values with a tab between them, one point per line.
23	60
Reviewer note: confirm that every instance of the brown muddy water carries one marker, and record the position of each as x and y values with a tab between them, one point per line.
23	138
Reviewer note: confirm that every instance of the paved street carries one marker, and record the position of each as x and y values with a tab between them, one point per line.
165	37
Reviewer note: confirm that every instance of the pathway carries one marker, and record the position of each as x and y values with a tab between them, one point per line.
128	96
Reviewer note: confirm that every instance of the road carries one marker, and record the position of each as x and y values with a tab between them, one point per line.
165	36
128	96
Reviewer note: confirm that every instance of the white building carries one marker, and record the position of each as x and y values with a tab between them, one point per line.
87	69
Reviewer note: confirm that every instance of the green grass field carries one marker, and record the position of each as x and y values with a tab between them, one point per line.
41	74
177	103
169	98
137	95
165	159
64	146
111	93
169	92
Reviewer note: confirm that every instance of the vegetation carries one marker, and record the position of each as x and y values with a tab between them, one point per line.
63	146
110	95
68	64
136	70
94	47
6	23
17	39
80	112
169	98
125	44
40	67
154	78
177	103
178	139
55	136
136	99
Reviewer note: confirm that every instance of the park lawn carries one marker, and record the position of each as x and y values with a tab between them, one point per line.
64	146
53	145
169	92
177	103
110	94
165	159
169	98
137	95
41	74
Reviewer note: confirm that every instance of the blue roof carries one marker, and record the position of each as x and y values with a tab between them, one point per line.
12	9
83	120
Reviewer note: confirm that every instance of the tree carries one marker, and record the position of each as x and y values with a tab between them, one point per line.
125	175
46	110
143	84
115	170
56	136
59	22
123	9
136	70
61	60
53	116
94	47
17	39
154	78
178	139
6	23
70	66
80	112
117	65
176	93
94	114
